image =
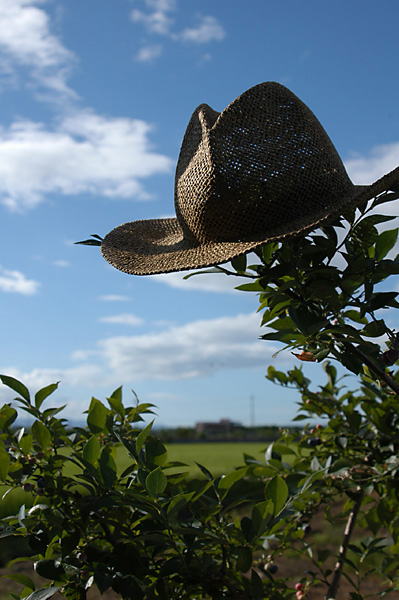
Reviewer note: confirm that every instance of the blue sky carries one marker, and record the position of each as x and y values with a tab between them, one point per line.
95	97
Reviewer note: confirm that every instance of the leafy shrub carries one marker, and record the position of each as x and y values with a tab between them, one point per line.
104	508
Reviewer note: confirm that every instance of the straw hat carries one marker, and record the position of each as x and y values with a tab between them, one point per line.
263	169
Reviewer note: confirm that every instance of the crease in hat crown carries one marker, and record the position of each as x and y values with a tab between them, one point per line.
261	170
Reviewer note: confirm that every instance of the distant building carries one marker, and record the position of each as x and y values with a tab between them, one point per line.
213	428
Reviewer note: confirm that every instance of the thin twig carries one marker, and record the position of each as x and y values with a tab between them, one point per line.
333	589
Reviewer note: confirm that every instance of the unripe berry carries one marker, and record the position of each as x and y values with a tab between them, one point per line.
299	587
300	595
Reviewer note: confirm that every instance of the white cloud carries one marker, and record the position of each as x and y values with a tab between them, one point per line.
61	263
364	170
114	298
208	30
155	22
122	319
26	39
157	19
200	348
216	282
15	281
85	153
149	53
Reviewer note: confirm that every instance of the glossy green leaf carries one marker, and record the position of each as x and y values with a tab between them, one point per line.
97	417
42	434
226	481
25	443
143	435
277	491
156	482
385	242
115	401
17	386
43	594
42	394
92	450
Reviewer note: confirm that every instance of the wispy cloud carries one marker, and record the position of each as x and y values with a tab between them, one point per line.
197	349
149	53
158	19
207	30
114	298
364	170
122	319
83	153
202	282
26	40
17	282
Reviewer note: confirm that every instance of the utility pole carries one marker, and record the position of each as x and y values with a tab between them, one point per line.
252	411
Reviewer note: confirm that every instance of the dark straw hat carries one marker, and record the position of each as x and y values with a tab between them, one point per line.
264	169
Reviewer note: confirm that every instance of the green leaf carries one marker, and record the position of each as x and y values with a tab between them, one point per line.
8	414
115	402
177	503
155	452
374	329
49	568
17	386
97	416
107	468
251	287
43	594
4	465
277	491
92	450
156	482
25	443
42	394
244	559
239	263
42	434
256	585
226	481
385	242
22	579
143	435
262	514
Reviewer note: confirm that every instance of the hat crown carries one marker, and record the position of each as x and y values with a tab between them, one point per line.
263	161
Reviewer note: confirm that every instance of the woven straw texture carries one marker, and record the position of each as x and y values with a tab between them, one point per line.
262	170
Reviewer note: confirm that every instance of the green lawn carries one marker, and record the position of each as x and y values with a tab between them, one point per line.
218	458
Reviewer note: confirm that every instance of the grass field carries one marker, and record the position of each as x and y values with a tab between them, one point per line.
218	458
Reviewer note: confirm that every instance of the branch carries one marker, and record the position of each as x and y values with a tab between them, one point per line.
390	382
333	589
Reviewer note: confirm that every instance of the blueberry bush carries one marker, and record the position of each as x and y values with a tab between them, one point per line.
102	507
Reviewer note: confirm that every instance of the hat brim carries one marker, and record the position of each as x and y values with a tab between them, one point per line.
156	246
